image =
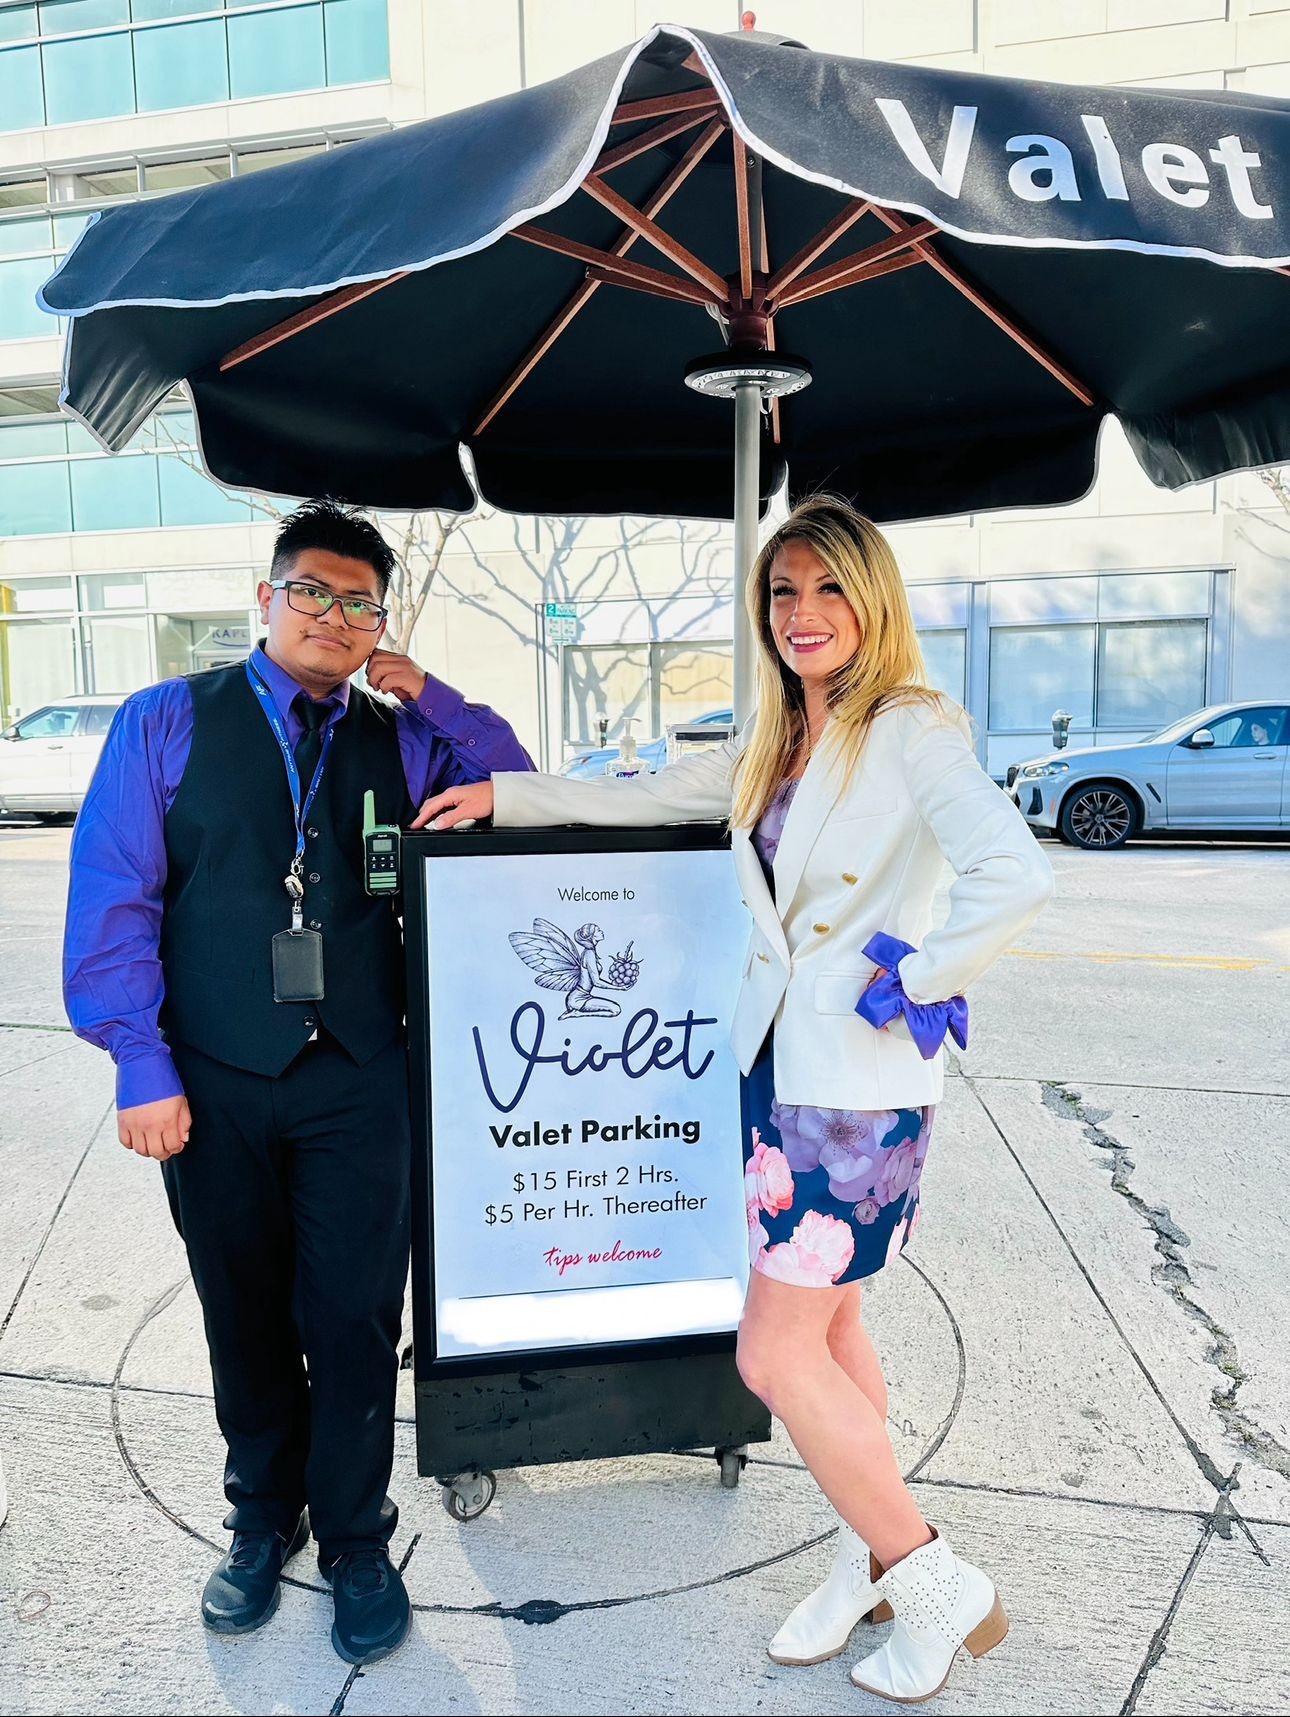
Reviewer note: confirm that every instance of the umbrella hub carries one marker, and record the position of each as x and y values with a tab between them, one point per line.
748	319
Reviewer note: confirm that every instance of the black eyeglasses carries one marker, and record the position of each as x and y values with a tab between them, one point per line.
355	611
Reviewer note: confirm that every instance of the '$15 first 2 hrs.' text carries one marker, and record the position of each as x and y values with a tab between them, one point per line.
582	1180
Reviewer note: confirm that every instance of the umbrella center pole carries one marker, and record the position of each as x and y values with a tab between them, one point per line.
748	397
753	379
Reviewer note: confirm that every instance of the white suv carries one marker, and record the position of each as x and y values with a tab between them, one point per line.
47	758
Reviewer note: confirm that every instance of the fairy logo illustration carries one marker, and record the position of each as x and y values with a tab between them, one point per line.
572	964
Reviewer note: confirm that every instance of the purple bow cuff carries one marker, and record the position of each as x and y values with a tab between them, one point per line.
928	1022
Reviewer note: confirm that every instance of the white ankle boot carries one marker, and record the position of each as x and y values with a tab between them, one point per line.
941	1603
823	1622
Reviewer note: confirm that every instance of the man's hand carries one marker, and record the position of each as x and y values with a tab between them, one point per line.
155	1129
389	672
457	805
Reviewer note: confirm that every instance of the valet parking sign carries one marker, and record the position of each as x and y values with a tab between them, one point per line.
586	1167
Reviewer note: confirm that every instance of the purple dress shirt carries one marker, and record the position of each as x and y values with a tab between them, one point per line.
112	977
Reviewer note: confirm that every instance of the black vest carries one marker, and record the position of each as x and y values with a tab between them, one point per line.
230	838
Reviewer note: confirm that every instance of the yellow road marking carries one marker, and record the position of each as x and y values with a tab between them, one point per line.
1204	961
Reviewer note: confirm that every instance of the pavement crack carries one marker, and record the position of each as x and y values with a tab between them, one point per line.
338	1705
1217	1523
38	1253
1174	1277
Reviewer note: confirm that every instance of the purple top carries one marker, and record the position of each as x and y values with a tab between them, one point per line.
770	826
112	979
883	1000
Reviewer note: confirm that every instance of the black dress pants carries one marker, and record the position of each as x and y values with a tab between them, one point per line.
291	1197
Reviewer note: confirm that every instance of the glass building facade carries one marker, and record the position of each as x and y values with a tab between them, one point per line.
67	61
1125	610
112	630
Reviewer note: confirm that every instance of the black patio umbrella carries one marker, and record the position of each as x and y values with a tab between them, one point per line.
971	272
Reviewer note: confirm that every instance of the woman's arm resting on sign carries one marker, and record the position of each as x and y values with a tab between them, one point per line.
456	805
697	789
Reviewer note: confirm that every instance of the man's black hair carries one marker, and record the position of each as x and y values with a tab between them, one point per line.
324	524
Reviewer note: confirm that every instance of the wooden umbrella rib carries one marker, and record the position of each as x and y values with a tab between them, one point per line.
660	286
851	277
308	318
653	205
776	430
623	273
851	268
763	260
815	247
979	301
538	350
652	233
652	138
743	217
657	106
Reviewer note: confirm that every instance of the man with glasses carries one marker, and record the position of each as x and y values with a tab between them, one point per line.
222	947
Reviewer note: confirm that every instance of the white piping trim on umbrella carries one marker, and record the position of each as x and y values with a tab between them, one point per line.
969	235
557	199
571	184
554	201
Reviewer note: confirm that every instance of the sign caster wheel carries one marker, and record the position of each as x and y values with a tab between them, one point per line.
732	1462
469	1494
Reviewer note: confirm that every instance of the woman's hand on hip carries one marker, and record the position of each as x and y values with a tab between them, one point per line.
880	972
458	805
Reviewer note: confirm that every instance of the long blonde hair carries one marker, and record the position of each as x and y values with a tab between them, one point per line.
886	669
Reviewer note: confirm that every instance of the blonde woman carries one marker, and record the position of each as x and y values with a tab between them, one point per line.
854	784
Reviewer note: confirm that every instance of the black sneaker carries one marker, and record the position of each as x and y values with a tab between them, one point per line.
373	1615
242	1593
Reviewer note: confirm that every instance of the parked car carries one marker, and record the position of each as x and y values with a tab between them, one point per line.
1223	768
47	758
652	752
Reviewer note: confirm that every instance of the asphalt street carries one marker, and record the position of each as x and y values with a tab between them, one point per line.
1086	1349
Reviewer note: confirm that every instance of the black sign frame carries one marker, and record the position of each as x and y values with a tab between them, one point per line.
491	1411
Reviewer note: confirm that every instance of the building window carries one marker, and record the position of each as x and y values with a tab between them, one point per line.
118	631
945	657
71	60
116	651
37	665
652	684
1119	674
53	478
1150	672
42	215
1037	669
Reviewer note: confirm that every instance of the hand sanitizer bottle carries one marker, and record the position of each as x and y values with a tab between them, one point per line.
628	762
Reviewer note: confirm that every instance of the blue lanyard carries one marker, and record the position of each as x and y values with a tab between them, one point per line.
275	721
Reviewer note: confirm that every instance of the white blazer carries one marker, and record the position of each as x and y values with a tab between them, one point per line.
854	859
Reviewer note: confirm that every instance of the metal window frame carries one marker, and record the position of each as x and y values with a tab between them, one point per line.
133	27
1098	627
75	618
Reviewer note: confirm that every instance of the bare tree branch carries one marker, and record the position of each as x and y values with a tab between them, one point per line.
1275	480
549	560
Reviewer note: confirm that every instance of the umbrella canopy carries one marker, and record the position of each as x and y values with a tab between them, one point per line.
976	269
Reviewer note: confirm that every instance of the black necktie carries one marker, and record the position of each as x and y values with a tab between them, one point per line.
308	747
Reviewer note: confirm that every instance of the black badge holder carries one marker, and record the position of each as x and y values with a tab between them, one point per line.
297	954
382	849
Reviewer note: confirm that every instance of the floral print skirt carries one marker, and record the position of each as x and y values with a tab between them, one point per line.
832	1194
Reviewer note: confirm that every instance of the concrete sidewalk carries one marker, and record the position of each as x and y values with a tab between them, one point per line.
1089	1378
